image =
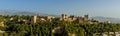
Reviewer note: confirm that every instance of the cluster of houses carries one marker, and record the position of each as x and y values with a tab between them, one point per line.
107	34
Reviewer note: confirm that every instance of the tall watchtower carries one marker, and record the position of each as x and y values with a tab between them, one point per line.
34	19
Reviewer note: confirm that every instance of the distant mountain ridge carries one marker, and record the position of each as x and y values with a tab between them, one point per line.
14	12
103	19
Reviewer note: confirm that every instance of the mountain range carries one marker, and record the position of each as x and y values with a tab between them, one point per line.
14	12
103	19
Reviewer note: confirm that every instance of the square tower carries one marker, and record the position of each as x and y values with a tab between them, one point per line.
34	19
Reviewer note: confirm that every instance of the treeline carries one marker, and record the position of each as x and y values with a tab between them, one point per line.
41	29
45	29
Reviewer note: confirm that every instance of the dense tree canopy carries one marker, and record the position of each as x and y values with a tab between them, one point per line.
14	28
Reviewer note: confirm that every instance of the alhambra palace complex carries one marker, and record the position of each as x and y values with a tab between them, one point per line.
65	18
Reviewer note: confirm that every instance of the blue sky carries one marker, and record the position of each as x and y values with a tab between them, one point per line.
106	8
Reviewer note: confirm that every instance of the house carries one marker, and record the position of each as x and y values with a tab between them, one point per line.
2	24
49	18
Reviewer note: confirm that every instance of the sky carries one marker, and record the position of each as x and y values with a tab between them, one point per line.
106	8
